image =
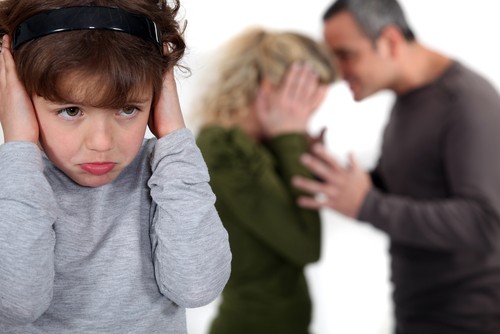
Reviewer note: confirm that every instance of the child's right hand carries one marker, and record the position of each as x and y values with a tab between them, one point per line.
17	114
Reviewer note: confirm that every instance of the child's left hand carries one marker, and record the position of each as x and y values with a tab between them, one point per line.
167	115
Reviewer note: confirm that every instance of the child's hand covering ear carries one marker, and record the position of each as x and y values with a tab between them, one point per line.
167	116
17	114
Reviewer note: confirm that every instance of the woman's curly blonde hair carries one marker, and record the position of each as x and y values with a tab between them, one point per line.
250	57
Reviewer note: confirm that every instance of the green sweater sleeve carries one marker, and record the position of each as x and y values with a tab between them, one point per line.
252	185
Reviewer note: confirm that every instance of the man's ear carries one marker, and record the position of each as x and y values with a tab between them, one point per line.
390	41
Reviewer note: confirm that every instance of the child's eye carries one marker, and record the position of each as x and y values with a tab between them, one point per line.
70	112
129	111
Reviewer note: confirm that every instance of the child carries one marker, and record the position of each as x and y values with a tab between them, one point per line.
254	130
102	231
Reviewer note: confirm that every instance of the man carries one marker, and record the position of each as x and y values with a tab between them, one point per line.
436	188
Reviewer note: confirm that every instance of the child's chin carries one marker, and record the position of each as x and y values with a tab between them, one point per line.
96	181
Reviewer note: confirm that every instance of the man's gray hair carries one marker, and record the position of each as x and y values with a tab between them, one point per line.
373	16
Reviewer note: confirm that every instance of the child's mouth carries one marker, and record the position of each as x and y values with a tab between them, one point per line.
98	168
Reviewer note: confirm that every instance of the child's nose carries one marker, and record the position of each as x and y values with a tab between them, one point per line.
100	136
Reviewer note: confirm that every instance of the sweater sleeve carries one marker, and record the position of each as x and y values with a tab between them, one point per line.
255	191
287	150
469	217
190	246
27	214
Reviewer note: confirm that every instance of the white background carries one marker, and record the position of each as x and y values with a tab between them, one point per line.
350	284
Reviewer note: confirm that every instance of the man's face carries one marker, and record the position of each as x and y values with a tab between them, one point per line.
92	145
366	68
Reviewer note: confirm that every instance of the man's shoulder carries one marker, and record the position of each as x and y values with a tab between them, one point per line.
466	80
462	87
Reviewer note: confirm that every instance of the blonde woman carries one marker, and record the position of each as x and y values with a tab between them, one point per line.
254	130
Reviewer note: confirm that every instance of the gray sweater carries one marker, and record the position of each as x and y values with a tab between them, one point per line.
126	257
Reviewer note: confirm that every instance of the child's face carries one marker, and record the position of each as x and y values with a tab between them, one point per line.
92	145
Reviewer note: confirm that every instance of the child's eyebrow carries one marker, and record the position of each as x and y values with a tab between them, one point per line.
138	101
61	102
83	103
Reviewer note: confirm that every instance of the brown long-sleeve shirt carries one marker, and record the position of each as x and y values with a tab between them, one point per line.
437	196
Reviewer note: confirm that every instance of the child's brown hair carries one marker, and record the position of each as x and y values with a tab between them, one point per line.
121	63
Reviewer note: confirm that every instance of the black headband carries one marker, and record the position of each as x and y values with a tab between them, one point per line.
86	18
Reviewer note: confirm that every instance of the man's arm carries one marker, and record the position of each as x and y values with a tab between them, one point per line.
466	219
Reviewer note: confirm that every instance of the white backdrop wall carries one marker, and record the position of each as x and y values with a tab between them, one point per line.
350	284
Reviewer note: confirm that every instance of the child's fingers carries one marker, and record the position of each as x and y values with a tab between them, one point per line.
4	60
2	42
5	45
6	56
6	42
167	112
